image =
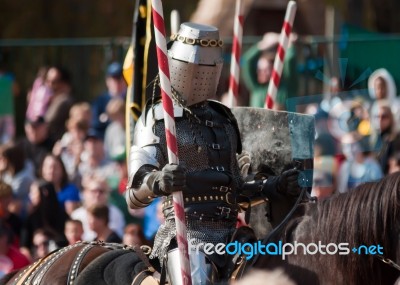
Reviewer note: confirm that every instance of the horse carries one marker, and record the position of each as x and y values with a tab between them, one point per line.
367	216
93	262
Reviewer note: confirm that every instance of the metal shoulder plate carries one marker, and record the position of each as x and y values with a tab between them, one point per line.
144	148
142	156
144	134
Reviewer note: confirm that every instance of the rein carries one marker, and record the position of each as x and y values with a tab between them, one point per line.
35	272
38	268
287	217
388	262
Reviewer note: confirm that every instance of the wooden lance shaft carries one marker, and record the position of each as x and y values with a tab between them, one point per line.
170	133
270	99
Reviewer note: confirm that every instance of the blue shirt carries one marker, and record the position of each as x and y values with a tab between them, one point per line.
68	193
150	221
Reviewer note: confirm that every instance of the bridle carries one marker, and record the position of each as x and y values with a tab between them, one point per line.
35	272
388	261
304	197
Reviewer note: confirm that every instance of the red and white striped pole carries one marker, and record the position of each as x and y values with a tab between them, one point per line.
236	52
170	133
280	55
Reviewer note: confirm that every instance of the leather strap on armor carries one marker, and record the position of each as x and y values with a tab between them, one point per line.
222	109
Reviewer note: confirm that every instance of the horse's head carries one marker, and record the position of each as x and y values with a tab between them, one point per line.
366	220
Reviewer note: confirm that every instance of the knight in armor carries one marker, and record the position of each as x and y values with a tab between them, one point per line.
208	173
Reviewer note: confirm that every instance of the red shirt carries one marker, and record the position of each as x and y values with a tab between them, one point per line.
19	260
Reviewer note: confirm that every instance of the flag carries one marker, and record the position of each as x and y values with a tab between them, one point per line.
137	73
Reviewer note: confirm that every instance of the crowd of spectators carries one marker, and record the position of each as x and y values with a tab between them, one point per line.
64	180
358	137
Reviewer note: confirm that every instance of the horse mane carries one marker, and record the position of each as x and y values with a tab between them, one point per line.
367	215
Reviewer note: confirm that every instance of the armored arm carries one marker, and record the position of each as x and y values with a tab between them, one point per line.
142	164
149	175
286	184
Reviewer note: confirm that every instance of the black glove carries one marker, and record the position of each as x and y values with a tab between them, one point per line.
288	183
172	178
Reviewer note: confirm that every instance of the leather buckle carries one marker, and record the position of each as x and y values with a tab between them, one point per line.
209	123
225	211
228	198
216	146
223	189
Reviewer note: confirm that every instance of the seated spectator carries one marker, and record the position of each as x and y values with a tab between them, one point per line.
53	171
59	81
94	160
16	260
385	138
381	86
44	242
9	219
73	231
96	193
45	213
37	142
116	88
360	166
98	219
15	171
114	140
82	112
70	147
70	150
39	96
133	235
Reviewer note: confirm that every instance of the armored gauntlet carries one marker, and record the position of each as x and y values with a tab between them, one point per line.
172	178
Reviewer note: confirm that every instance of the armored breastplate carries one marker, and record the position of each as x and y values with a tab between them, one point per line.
207	144
206	140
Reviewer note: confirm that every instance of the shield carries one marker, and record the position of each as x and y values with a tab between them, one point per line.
279	140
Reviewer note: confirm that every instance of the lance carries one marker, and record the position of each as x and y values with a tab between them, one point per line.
280	55
170	133
236	51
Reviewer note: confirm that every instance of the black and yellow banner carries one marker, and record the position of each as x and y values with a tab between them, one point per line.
140	65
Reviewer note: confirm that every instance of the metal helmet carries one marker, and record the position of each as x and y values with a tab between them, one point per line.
195	62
